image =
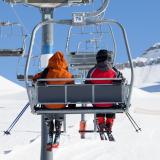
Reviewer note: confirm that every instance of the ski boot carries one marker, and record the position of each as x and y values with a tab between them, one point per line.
50	128
58	124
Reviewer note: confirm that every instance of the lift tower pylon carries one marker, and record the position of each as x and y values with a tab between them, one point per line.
47	48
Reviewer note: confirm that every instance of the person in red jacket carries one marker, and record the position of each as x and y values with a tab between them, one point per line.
103	69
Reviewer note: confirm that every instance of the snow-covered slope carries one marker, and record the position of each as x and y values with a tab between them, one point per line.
144	76
146	69
8	86
12	99
24	142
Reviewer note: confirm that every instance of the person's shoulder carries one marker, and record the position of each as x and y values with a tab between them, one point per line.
91	69
118	73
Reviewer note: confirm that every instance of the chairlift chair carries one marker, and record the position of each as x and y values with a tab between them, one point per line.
37	93
7	52
84	57
122	91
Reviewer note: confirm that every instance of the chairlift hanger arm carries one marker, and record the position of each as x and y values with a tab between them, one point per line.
101	10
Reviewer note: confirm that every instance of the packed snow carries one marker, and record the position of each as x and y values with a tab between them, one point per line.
24	141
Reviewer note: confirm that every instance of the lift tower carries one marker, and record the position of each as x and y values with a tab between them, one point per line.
46	8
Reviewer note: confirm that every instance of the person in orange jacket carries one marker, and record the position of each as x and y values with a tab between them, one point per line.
57	68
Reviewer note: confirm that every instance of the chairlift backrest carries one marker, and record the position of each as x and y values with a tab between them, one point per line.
97	93
80	94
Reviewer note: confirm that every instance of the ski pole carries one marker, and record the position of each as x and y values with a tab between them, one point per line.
133	122
7	132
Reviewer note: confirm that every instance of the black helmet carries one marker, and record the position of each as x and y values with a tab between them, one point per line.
104	55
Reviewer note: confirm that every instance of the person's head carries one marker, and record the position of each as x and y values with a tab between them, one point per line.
104	56
58	61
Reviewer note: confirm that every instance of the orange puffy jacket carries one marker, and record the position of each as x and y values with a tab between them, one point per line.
57	68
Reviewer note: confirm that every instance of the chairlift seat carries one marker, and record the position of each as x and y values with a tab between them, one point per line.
11	52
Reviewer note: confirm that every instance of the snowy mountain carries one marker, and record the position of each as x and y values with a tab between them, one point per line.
24	141
146	69
150	57
153	52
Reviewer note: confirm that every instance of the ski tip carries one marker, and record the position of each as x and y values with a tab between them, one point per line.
55	145
49	148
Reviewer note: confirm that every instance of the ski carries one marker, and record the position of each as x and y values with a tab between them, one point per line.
101	132
104	133
110	137
109	134
56	141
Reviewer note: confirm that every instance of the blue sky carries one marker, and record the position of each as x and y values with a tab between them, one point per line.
139	17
